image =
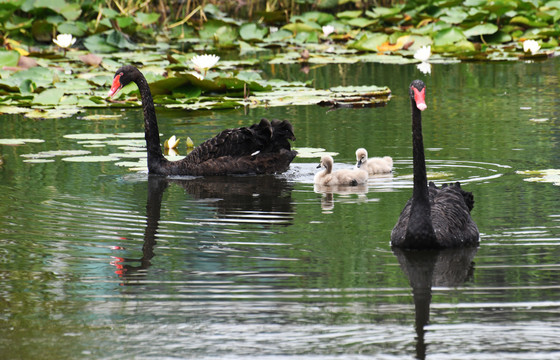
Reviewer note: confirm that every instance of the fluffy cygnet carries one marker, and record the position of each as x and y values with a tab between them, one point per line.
374	165
350	177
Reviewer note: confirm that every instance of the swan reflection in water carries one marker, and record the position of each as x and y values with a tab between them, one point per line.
427	268
328	191
233	197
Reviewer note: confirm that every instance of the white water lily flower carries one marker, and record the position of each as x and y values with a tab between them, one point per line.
531	46
171	143
64	40
423	54
205	62
328	29
424	67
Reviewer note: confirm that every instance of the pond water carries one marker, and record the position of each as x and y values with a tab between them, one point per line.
98	261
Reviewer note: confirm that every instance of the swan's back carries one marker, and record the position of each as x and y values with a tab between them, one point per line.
450	208
262	148
380	165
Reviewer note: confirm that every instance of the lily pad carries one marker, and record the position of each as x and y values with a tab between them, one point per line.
19	141
547	175
309	152
102	117
53	153
92	158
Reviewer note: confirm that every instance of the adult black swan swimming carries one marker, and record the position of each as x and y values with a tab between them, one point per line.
432	218
262	148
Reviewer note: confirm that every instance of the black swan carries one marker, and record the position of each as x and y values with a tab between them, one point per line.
432	218
262	148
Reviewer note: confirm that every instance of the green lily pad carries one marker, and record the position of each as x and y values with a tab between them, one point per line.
8	58
251	32
482	29
369	42
448	36
49	97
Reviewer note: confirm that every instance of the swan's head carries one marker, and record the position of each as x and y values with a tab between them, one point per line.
418	93
361	157
123	77
326	162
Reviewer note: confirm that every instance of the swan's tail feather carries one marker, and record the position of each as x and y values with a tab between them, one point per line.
253	142
468	197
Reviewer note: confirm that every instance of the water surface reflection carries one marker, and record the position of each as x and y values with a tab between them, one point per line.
433	268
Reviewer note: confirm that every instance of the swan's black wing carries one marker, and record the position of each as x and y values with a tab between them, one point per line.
451	218
262	148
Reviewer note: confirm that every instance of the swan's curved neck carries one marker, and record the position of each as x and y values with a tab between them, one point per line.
151	131
420	191
420	230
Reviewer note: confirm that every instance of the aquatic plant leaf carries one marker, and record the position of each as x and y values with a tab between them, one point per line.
42	30
482	29
38	161
49	97
351	14
251	32
9	58
361	22
98	44
300	27
369	42
90	158
56	113
547	175
102	117
7	109
146	19
448	36
71	11
310	152
117	39
19	141
76	28
53	153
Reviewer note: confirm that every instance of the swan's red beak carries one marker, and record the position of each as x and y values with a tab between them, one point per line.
419	98
116	86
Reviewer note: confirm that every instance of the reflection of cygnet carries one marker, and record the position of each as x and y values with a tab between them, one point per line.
351	177
374	165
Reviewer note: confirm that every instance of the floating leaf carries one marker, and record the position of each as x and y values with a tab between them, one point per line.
102	117
309	152
92	158
98	44
448	36
19	141
482	29
251	32
547	175
53	153
369	42
9	58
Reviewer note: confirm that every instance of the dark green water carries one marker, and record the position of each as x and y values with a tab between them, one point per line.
100	262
